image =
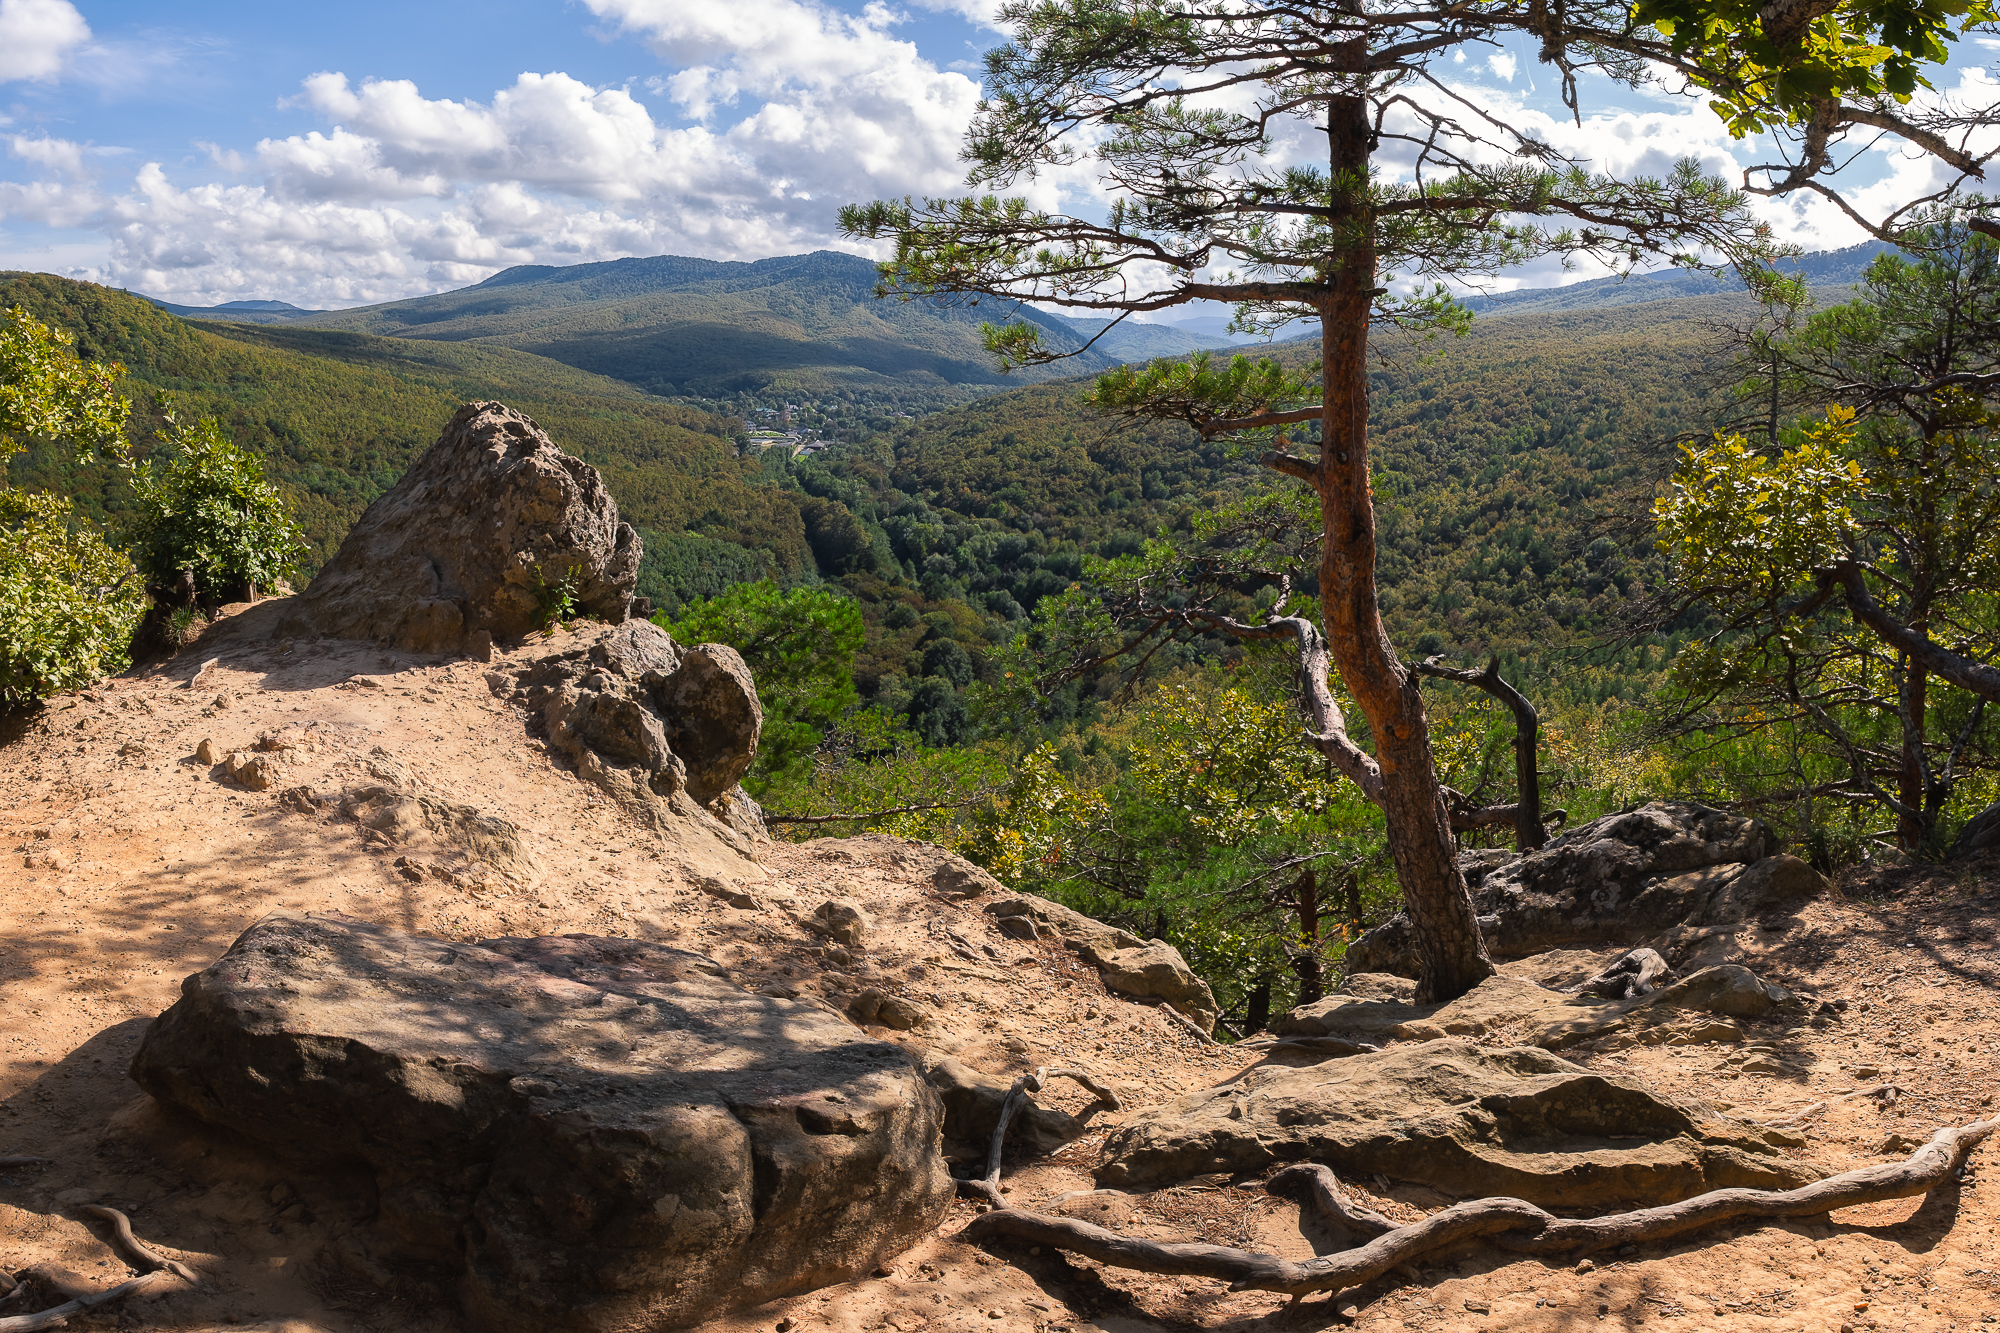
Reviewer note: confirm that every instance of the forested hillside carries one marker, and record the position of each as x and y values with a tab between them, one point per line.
799	327
341	415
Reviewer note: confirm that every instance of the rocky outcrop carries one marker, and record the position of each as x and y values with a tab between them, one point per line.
649	721
1619	879
604	1133
1533	1015
1128	965
1980	834
476	541
1465	1119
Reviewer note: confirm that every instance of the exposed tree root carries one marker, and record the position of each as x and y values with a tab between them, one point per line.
1511	1224
81	1296
133	1249
988	1187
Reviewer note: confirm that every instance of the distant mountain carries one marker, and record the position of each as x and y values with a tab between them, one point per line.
807	326
1823	269
235	312
1134	341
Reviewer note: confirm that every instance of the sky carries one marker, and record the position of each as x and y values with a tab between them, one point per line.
333	156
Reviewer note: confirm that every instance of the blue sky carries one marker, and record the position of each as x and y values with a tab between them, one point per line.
332	156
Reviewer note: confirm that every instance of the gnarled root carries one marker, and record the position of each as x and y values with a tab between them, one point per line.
135	1252
81	1295
1511	1224
988	1188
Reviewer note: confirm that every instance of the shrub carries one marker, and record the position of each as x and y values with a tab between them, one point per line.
68	601
206	508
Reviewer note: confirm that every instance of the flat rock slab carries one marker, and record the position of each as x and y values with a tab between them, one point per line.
1372	1009
1465	1119
608	1134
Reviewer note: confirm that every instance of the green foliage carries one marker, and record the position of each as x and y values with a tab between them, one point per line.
1903	489
555	598
49	393
68	602
1768	65
677	568
799	644
205	508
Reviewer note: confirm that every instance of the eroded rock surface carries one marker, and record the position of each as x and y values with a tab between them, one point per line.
607	1133
1522	1011
1465	1119
1128	965
1622	878
472	541
651	722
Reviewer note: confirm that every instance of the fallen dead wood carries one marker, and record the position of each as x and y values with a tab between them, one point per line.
61	1314
22	1161
1511	1224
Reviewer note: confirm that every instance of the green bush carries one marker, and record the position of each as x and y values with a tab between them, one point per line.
68	601
206	508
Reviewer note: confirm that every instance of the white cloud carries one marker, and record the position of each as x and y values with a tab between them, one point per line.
1503	64
37	37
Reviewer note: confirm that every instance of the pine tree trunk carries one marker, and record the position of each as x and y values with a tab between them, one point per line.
1452	953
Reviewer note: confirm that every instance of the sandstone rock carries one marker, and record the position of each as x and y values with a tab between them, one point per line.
713	703
254	771
604	1133
1464	1119
1090	939
1536	1016
401	812
206	753
727	892
468	540
1156	971
646	720
1127	964
972	1104
840	920
1981	833
1621	878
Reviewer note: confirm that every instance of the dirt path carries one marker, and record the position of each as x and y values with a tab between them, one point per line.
129	863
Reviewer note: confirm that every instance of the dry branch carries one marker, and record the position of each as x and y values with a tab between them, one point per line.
1512	1224
988	1187
22	1161
57	1315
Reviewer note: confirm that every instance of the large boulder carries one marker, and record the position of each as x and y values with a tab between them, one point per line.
1464	1119
1127	965
1981	833
605	1133
476	537
645	718
1619	879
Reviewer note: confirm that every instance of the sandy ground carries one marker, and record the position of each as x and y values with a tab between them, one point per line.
129	864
